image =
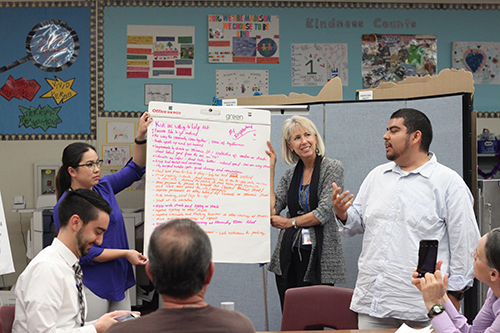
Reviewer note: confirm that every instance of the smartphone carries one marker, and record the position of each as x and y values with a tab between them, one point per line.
127	317
427	256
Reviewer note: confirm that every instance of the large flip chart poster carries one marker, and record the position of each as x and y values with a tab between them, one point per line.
6	262
208	163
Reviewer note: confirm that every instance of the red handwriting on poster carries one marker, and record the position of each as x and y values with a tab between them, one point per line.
20	88
193	172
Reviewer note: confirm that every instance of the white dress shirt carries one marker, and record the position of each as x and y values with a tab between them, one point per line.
395	211
47	295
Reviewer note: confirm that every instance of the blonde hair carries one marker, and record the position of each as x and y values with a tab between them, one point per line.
288	155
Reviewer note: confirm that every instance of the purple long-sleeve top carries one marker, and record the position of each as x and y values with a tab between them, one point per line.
110	280
487	320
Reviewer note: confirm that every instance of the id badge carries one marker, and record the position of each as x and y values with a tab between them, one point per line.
306	237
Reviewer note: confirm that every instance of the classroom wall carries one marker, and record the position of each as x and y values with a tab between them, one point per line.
296	25
18	157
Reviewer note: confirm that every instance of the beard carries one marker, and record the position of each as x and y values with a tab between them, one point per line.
81	243
395	155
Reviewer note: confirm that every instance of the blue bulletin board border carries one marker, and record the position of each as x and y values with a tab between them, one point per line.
75	109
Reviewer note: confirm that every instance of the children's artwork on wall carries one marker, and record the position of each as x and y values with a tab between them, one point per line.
243	38
236	83
120	132
35	103
480	58
157	93
160	51
316	64
113	156
394	57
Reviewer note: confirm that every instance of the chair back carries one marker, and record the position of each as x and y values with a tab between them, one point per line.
318	306
6	318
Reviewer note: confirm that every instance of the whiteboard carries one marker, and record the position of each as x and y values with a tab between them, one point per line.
6	262
208	163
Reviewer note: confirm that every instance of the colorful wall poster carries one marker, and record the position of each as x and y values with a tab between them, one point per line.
480	58
160	51
237	83
120	132
394	57
243	38
316	64
44	74
113	156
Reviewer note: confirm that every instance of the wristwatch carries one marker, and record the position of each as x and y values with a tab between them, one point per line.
294	223
435	310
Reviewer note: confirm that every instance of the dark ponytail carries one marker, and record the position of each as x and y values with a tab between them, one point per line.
72	155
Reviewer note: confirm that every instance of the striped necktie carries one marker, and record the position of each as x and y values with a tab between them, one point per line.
79	286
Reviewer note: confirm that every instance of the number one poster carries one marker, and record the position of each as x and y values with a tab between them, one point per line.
316	64
243	38
209	164
160	52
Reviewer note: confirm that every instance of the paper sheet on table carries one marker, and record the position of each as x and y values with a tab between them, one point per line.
407	329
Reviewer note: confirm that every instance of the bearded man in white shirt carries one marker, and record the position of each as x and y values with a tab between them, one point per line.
48	293
411	198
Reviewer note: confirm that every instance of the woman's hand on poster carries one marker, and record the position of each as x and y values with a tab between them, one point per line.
136	258
272	154
280	222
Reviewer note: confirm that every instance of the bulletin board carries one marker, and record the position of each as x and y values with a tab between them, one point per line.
209	165
44	72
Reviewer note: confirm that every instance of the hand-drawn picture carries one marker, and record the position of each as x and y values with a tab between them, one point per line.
480	58
115	155
316	64
243	38
236	83
120	132
160	51
157	93
394	57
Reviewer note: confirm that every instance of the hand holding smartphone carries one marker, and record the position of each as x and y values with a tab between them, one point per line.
427	257
127	317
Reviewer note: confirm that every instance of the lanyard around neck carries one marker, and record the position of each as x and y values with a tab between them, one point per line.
307	194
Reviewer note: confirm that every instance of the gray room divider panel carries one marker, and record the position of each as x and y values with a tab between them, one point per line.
354	133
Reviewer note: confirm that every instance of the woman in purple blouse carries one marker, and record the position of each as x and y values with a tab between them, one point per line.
107	269
445	318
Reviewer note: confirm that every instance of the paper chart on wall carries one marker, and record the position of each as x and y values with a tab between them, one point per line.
6	262
243	38
480	58
160	52
316	64
208	163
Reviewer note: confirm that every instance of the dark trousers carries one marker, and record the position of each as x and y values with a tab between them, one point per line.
296	274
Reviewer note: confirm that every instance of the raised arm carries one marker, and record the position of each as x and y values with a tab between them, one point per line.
140	149
272	161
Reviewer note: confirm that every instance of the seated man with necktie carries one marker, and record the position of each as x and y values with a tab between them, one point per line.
49	295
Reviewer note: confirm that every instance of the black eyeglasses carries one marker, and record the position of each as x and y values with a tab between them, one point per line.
92	165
